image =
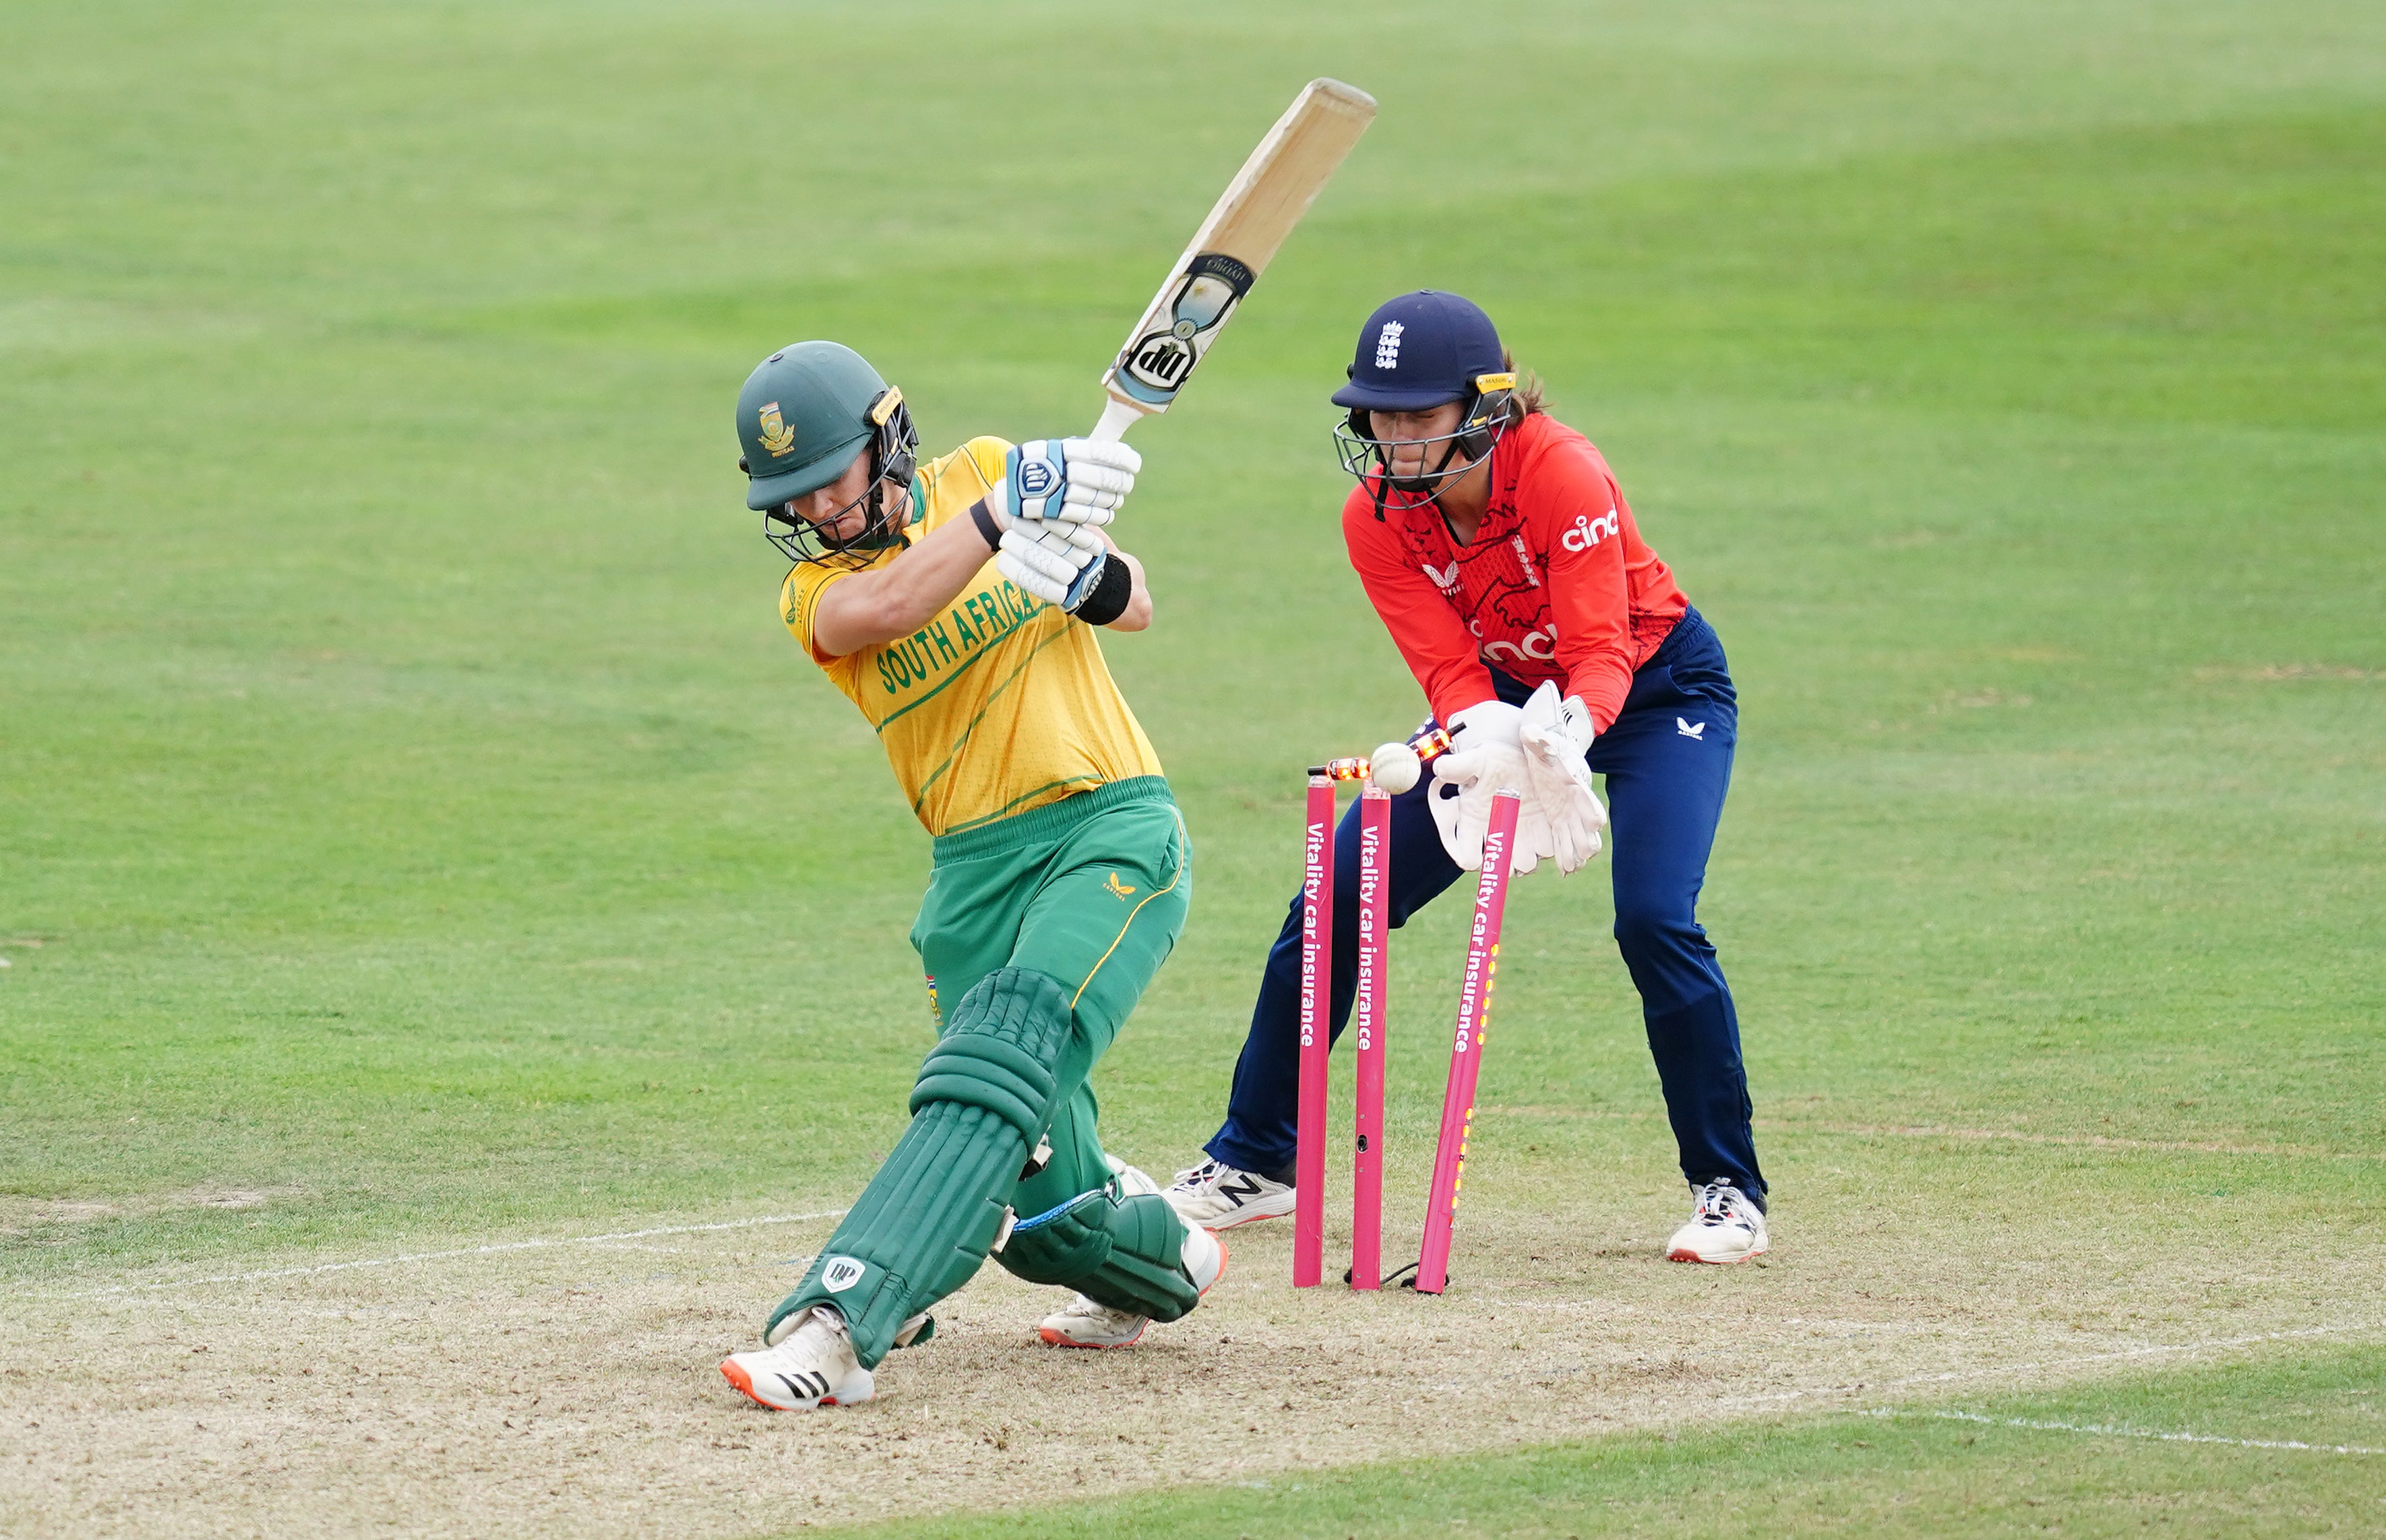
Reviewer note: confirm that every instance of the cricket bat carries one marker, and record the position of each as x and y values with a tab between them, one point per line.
1251	218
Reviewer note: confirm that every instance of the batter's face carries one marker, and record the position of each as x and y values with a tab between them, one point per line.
1408	461
838	510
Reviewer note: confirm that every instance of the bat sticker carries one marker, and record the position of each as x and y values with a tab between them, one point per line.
1156	365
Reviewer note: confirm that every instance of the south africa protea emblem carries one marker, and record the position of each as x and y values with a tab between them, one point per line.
777	437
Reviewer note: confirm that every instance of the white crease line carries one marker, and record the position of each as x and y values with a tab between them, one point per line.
1953	1375
2102	1431
2068	1141
445	1256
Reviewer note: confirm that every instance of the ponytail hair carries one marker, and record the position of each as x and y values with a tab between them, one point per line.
1527	399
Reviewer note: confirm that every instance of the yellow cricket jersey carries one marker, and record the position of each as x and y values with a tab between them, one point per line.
1001	704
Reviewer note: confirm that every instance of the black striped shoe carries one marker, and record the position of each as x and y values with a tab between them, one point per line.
812	1366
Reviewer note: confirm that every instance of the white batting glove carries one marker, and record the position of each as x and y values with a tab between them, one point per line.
1554	736
1056	495
1067	481
1062	576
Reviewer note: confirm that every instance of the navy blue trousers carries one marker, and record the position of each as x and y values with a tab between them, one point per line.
1667	760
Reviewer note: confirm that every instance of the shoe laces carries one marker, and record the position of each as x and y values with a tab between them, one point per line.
1085	1307
1205	1175
1719	1203
825	1326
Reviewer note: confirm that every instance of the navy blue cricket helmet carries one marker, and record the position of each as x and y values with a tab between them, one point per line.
1424	350
1421	350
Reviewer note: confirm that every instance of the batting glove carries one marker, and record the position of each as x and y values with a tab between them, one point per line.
1057	493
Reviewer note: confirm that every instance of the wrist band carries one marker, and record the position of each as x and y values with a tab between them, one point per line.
1111	592
983	518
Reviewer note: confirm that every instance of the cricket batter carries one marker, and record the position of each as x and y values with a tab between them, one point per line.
955	602
1552	643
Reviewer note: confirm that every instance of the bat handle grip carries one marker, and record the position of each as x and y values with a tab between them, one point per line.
1117	417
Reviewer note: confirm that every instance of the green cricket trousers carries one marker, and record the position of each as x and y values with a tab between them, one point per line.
1091	890
1043	930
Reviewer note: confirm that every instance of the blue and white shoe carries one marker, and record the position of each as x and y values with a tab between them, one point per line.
1216	1196
1725	1227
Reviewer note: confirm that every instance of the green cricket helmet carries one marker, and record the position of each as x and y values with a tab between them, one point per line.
803	415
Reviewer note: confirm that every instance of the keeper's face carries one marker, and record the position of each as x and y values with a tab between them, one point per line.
1409	437
841	512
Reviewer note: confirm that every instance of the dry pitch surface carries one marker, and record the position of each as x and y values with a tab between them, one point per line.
564	1385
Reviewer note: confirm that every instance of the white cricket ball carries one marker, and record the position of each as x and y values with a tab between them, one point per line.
1394	766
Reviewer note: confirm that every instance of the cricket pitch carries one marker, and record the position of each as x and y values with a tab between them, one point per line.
565	1384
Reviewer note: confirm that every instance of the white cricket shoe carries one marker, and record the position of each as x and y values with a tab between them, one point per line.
1216	1196
1084	1324
812	1366
1725	1227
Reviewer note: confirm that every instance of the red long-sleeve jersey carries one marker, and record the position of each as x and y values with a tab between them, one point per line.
1557	583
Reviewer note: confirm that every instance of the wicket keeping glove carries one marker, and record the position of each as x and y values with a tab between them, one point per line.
1490	722
1465	782
1555	737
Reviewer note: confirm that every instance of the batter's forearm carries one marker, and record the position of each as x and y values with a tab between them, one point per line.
1137	614
905	595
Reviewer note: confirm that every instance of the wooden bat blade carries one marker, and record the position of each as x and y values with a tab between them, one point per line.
1246	226
1285	174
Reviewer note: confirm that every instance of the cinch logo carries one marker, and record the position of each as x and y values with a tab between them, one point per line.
841	1274
1388	345
1540	644
1587	531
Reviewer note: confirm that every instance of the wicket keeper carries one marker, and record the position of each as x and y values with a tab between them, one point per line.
955	604
1552	643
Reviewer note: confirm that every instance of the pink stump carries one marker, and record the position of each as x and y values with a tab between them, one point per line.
1367	1020
1316	991
1466	1046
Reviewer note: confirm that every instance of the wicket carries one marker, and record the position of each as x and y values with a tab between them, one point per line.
1368	1021
1466	1046
1316	991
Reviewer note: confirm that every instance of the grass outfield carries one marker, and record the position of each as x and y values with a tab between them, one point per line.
2132	1459
416	831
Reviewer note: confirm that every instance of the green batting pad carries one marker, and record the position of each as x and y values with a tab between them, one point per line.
1127	1252
922	1228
